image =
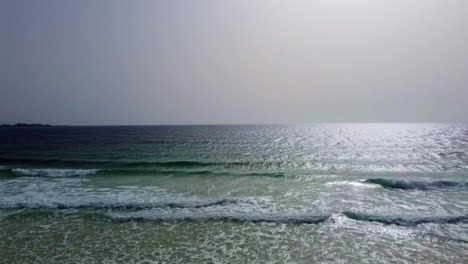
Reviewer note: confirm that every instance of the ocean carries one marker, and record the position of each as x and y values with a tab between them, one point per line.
325	193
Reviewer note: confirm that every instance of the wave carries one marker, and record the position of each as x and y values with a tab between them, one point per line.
417	185
166	172
308	166
53	172
227	209
237	210
223	211
100	163
132	206
135	164
49	172
400	221
181	216
219	216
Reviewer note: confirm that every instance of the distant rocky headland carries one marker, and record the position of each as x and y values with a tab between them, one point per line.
25	125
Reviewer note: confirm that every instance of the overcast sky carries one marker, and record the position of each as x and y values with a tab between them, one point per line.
93	62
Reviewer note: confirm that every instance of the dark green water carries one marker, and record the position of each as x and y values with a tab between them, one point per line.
343	193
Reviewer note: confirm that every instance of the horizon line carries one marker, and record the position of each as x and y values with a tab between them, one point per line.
218	124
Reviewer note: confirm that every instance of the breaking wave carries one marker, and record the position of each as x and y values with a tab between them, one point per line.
187	173
410	221
215	215
417	185
49	172
315	165
223	211
53	172
138	164
96	205
191	210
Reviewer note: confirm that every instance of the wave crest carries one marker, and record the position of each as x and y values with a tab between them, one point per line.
401	221
121	206
267	217
417	185
53	172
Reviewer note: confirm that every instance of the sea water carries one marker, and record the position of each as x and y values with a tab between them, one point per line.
331	193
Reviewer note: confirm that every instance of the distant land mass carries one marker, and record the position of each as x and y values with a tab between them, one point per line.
25	125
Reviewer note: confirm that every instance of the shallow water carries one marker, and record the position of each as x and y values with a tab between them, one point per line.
341	193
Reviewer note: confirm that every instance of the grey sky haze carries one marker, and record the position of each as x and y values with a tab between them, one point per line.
93	62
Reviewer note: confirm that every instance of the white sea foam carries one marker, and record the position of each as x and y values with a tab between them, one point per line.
359	184
154	204
53	172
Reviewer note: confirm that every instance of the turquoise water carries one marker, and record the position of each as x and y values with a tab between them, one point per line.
337	193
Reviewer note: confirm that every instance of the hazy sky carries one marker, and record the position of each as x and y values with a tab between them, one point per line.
185	62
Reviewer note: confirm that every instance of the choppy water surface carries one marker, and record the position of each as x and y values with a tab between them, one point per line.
343	193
